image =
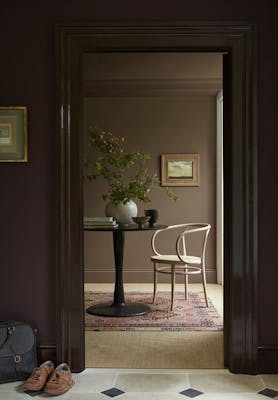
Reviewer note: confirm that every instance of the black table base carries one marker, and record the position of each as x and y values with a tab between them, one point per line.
117	310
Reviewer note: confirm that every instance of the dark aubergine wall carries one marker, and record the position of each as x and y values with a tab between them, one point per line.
27	201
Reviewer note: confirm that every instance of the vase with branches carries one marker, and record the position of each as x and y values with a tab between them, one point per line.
125	172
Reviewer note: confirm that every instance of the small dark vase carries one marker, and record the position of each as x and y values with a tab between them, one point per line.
153	214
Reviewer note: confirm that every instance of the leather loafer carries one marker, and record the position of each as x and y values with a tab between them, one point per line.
60	381
39	377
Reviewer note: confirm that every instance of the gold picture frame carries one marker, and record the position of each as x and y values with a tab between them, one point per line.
13	134
180	169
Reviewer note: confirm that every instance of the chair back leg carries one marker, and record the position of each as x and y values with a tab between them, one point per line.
185	284
154	283
173	282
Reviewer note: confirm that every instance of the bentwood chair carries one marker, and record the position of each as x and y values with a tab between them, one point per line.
181	263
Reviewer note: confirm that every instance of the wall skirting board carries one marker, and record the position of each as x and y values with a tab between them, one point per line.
47	352
138	275
267	359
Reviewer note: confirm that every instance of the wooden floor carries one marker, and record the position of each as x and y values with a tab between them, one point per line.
170	350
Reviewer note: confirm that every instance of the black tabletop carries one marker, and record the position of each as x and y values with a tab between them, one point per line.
132	227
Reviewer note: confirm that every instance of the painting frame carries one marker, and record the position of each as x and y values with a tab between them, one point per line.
180	169
13	134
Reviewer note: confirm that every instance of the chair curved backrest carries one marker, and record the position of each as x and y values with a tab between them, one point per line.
188	228
191	229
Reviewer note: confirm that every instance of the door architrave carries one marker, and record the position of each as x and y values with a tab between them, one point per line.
237	41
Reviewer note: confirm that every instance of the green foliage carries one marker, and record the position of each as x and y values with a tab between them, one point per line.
125	173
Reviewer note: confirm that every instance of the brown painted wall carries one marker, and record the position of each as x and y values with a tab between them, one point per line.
167	104
158	125
27	201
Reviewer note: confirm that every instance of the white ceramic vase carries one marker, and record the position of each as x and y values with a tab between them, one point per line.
121	212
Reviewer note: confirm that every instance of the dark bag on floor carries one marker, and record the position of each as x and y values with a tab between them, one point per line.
18	355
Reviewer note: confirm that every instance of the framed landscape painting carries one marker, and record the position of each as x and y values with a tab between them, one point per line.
13	134
180	169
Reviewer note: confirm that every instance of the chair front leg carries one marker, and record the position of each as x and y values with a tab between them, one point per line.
173	281
154	282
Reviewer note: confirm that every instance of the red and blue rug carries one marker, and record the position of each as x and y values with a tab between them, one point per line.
187	315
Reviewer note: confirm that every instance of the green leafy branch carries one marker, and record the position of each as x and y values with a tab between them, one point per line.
115	166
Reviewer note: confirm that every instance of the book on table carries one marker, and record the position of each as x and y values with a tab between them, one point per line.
100	222
98	219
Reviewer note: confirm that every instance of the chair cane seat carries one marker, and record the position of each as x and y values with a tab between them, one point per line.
173	259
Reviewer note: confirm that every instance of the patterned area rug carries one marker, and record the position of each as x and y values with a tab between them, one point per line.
190	315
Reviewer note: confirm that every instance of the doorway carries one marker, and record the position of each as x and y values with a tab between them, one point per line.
160	103
240	196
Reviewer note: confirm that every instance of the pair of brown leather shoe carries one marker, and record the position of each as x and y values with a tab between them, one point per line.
53	381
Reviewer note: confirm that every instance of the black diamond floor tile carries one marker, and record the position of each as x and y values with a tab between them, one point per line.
191	393
113	392
32	393
269	393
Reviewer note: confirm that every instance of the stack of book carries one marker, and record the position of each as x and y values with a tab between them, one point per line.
100	222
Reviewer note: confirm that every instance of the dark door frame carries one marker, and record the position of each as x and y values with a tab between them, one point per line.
237	41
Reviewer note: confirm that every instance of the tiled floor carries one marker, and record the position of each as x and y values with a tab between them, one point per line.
154	384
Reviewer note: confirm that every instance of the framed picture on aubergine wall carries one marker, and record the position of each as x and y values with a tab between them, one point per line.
180	169
13	134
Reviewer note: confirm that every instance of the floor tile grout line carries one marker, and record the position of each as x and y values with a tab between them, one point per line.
162	371
179	392
115	378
